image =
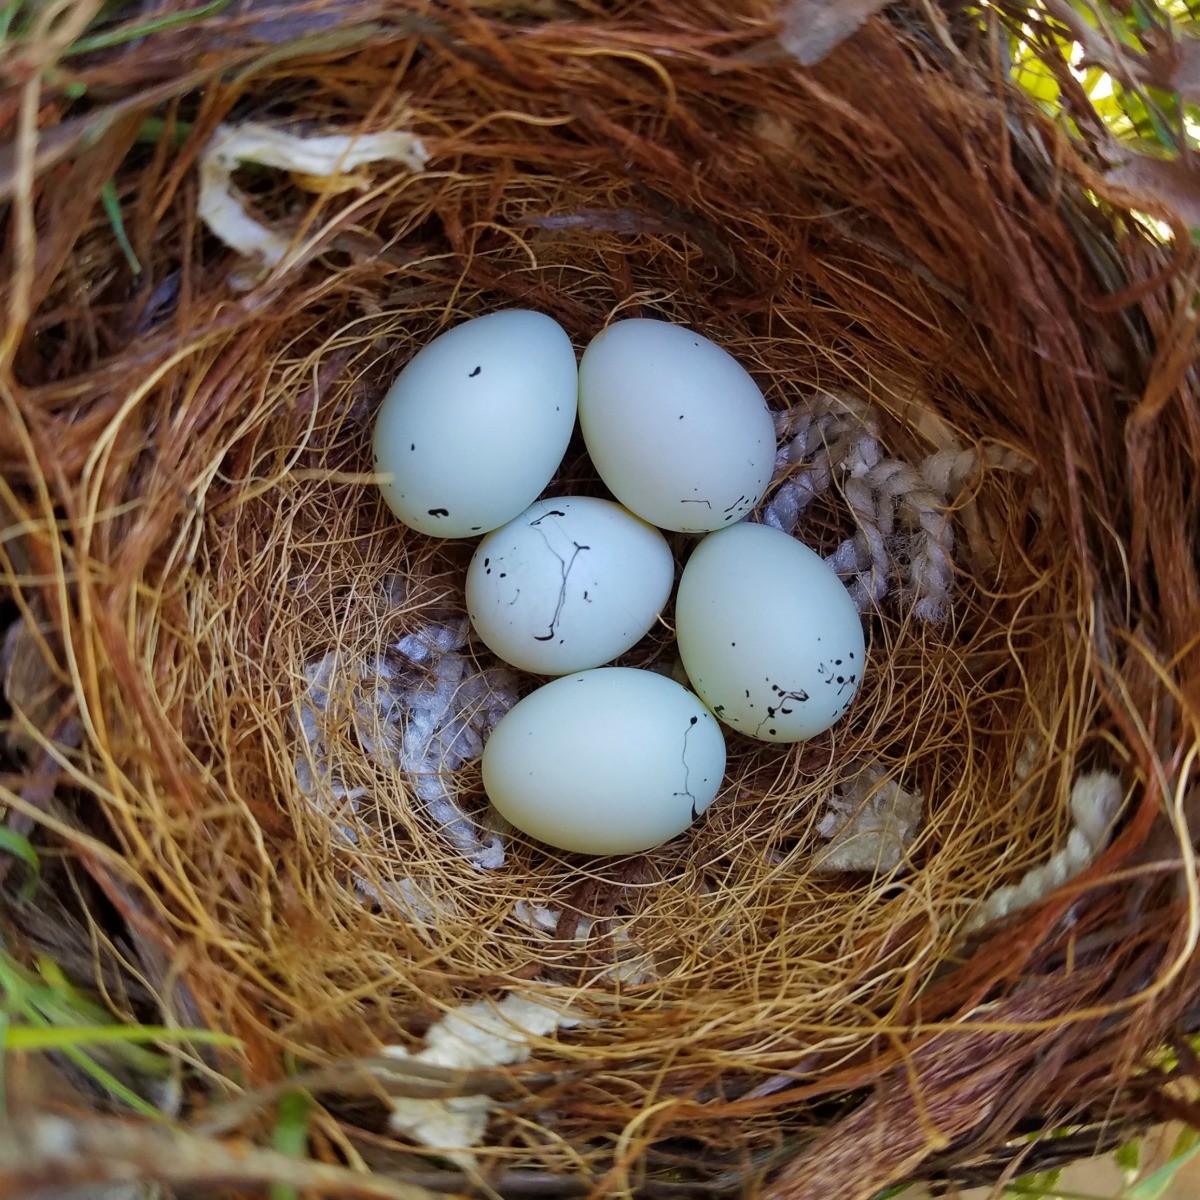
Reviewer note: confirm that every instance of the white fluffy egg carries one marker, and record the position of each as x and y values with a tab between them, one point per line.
477	423
675	426
570	584
768	634
611	761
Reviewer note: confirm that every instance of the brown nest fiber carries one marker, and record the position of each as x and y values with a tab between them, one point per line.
191	523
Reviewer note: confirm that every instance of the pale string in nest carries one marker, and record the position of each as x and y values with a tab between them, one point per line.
423	711
1095	804
870	823
902	512
873	821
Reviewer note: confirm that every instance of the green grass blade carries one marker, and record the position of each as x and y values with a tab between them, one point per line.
20	847
290	1136
62	1037
112	206
110	1083
118	37
68	1006
48	1014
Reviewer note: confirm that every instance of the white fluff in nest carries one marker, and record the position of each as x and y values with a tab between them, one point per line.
1095	802
327	157
902	512
472	1038
423	713
871	825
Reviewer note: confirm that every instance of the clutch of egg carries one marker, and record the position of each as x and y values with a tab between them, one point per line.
614	760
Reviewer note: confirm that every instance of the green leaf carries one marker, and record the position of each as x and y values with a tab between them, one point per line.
35	1038
112	206
1146	113
1156	1184
290	1136
1129	1158
1144	17
1016	1188
20	847
1163	110
1086	13
1038	80
1040	1183
1187	1139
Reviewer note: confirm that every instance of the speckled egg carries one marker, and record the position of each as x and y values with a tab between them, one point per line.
768	634
676	427
611	761
477	423
570	584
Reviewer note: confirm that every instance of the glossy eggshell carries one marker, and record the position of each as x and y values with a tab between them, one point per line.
611	761
570	584
477	423
768	634
675	426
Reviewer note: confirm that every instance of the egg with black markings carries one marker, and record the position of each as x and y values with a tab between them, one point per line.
476	423
569	584
676	427
611	761
768	634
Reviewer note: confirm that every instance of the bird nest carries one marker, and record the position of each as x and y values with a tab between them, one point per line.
247	712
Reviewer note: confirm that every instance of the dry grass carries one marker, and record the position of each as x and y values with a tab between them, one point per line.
191	520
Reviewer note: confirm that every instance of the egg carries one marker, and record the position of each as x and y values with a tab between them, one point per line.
610	761
677	429
768	634
570	584
477	423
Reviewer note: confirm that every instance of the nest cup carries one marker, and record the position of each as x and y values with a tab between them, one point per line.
985	411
